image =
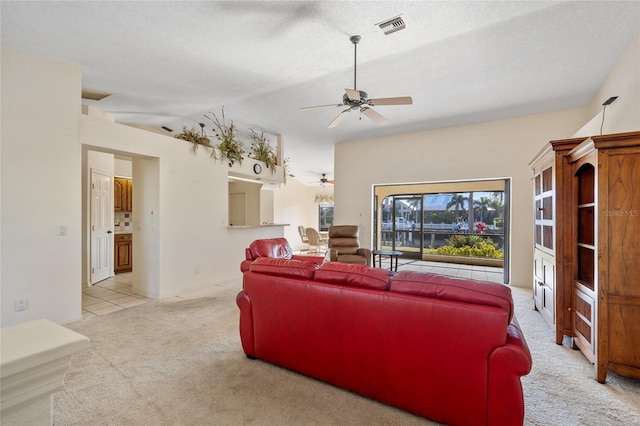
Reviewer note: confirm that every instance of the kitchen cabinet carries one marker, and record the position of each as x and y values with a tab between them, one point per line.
123	253
122	194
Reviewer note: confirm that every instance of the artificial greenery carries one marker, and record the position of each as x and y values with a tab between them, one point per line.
262	150
468	245
231	148
196	137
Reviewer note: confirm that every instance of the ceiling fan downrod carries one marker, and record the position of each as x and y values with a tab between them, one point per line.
355	39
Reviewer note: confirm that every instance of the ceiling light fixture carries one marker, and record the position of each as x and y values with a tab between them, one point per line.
392	25
604	109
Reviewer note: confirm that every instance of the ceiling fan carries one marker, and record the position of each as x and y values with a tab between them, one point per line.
355	99
324	180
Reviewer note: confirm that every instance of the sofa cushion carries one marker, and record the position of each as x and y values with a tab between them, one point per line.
353	275
278	248
287	268
344	245
352	258
451	288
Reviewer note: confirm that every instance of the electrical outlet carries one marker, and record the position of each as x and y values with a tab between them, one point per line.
21	304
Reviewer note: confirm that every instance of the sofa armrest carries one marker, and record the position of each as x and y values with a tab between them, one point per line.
506	365
366	253
246	323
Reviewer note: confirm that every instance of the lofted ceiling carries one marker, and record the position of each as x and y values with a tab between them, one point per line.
166	63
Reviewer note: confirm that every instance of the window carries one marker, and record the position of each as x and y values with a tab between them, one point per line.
325	216
454	219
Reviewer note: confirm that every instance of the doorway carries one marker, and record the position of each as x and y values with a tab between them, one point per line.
145	171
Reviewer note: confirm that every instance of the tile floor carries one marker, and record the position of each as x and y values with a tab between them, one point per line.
109	296
484	273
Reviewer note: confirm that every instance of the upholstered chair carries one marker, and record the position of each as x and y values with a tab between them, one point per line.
275	248
303	236
344	245
315	240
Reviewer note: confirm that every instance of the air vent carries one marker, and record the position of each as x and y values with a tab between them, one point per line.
392	25
167	129
94	96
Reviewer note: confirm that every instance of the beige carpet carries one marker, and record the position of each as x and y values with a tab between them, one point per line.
179	362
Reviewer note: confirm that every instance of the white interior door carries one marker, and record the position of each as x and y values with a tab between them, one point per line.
101	222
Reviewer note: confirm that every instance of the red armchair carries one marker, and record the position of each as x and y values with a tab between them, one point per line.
275	248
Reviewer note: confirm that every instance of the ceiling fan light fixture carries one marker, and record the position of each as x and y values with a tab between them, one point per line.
392	25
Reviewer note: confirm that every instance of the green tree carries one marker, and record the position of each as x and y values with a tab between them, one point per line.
457	201
482	206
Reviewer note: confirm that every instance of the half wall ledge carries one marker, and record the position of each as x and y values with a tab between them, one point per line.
35	356
266	225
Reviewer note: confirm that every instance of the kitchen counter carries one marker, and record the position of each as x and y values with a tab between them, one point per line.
266	225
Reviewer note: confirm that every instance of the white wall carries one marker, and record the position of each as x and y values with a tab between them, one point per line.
181	221
294	204
623	81
41	188
181	236
122	168
497	149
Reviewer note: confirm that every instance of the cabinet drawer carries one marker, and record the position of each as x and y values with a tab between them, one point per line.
123	237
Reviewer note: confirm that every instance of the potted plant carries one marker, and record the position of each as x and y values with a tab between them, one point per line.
231	148
262	150
197	138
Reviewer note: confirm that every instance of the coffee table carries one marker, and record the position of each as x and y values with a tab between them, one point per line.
391	254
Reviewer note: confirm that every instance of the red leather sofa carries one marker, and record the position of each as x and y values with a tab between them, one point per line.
444	348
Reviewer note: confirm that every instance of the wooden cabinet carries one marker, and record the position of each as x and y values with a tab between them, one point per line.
596	248
123	253
122	194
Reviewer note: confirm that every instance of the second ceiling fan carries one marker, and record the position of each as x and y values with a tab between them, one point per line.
355	99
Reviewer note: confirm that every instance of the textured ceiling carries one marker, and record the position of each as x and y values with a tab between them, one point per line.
166	63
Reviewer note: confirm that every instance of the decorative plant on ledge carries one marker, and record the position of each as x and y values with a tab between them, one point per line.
231	148
262	150
197	138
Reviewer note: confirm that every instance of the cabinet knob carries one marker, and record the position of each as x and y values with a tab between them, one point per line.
569	309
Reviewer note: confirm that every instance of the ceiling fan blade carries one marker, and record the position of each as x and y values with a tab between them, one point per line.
401	100
374	116
322	106
338	119
353	95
